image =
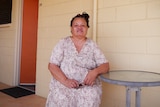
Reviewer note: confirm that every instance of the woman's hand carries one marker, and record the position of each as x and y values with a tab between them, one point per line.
92	74
61	77
90	78
71	83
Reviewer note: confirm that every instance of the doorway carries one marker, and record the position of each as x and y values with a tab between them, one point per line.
29	44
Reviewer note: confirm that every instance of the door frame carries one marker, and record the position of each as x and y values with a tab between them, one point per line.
18	43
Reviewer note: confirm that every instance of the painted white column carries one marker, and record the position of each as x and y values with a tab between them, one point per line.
95	20
19	13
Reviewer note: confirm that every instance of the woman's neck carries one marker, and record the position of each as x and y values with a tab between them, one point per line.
78	42
78	38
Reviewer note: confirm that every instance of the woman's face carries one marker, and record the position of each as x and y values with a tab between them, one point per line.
79	27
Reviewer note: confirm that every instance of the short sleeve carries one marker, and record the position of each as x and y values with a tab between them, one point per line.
99	56
57	53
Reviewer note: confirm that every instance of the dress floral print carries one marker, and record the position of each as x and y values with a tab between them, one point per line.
75	65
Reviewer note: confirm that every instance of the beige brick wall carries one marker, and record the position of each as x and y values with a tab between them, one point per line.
9	43
129	34
130	28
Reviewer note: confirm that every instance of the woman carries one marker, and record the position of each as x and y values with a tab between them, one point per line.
75	64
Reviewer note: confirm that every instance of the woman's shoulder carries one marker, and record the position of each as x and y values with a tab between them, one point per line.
64	39
91	42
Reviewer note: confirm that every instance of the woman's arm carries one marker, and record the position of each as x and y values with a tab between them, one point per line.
103	68
93	74
61	77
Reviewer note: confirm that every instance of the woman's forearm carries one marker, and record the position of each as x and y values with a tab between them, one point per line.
61	77
103	68
57	73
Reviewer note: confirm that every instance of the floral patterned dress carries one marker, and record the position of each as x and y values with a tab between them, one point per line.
75	66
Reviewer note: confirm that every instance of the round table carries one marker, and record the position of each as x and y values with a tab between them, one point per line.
133	80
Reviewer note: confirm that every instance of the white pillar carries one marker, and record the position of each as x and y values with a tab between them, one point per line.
95	20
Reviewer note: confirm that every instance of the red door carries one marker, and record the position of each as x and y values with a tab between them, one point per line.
29	42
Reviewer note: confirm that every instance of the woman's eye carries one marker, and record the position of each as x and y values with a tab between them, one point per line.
75	25
79	25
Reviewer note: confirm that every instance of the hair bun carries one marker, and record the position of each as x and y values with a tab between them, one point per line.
85	15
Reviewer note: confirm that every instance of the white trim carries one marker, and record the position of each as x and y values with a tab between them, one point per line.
18	40
27	83
5	25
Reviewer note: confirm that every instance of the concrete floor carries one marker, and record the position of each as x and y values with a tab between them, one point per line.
27	101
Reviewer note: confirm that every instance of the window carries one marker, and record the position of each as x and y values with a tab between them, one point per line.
5	11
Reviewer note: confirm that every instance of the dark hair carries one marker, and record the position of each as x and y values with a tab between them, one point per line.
83	15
